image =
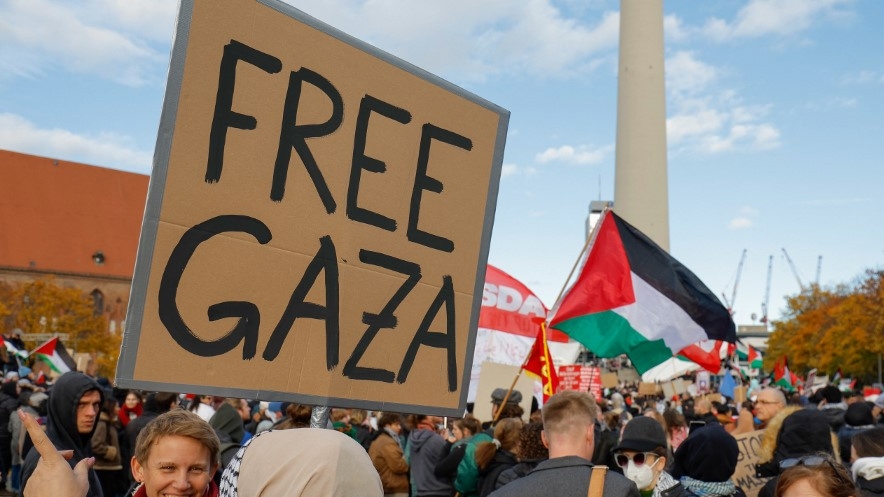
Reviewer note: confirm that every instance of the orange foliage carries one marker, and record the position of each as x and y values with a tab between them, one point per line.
840	328
42	306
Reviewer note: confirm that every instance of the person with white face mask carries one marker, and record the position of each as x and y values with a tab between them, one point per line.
642	455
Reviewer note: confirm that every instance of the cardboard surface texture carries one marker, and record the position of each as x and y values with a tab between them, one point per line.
318	219
744	475
496	375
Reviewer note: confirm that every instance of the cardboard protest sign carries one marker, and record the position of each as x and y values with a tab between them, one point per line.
668	389
744	476
647	389
317	223
581	379
494	375
610	380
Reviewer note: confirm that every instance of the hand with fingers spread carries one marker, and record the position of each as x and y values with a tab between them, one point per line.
54	475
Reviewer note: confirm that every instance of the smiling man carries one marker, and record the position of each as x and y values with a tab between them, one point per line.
73	406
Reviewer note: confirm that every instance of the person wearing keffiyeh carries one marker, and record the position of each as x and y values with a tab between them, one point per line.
705	462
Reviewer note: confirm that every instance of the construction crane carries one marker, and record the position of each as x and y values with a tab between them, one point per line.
794	271
766	291
730	303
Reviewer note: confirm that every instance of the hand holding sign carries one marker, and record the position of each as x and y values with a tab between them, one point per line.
54	475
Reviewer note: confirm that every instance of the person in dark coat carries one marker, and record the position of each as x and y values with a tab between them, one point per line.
495	457
705	462
423	451
531	453
857	418
568	427
8	404
797	433
642	455
73	406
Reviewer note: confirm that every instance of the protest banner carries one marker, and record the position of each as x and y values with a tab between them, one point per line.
744	476
317	222
581	379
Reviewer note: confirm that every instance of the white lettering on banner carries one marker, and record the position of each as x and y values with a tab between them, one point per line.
509	299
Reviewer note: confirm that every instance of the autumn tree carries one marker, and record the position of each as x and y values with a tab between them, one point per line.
840	328
43	306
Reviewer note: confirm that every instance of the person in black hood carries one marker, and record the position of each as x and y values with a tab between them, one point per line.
798	433
73	406
8	405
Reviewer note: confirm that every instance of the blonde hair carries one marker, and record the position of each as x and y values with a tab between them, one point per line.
177	422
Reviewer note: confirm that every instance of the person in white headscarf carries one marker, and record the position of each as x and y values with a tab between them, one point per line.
309	462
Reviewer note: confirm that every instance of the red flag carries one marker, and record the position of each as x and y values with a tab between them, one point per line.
508	305
539	364
706	353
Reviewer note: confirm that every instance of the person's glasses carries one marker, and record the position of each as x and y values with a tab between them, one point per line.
766	402
638	459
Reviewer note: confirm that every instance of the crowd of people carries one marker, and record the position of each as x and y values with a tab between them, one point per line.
139	444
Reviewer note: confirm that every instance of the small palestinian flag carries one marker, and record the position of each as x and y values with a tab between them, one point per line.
56	356
750	355
633	298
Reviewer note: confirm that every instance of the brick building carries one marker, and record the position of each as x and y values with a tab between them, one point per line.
77	222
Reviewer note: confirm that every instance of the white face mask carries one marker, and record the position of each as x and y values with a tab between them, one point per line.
642	476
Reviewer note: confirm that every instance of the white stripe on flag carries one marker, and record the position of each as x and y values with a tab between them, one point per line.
655	317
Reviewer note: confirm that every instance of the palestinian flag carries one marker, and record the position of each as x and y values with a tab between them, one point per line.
633	298
751	356
55	355
12	349
782	376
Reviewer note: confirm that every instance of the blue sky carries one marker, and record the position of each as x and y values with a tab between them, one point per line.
775	117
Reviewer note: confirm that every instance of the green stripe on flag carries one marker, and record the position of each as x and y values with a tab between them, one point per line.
609	334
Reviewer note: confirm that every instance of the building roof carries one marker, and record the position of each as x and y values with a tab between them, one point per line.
56	215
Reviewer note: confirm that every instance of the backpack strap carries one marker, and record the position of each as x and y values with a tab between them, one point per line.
597	481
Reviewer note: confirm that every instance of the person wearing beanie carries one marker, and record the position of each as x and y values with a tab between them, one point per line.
857	418
705	462
642	455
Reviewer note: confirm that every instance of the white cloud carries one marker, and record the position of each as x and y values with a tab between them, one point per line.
745	218
509	170
686	74
708	120
468	40
580	155
775	18
37	35
673	29
863	77
738	223
107	149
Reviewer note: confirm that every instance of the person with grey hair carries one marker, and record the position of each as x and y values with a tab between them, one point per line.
769	402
